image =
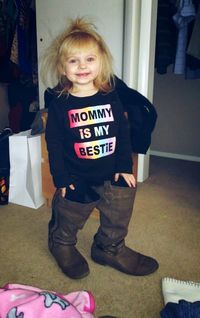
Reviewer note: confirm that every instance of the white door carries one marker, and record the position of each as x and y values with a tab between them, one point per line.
107	15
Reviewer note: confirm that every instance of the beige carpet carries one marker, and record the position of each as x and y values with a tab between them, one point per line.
165	224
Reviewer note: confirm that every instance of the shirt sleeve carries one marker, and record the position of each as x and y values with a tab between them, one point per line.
54	139
124	163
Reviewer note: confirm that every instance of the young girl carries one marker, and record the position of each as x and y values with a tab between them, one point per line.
90	156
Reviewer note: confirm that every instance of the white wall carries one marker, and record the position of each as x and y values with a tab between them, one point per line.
107	15
177	101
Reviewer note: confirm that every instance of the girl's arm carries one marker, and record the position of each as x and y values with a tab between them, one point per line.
54	135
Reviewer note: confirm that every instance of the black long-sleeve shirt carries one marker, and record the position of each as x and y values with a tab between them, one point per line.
87	137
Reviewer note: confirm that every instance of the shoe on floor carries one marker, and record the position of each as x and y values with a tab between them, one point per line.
124	259
70	260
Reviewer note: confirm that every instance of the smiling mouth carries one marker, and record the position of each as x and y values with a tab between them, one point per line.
82	74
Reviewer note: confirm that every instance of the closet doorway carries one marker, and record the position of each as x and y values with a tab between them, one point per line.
18	64
176	92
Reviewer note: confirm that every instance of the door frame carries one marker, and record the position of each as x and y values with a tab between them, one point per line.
139	56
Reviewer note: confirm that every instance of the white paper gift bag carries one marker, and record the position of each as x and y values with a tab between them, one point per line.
25	186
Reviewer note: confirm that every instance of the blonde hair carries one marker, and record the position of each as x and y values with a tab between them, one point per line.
80	34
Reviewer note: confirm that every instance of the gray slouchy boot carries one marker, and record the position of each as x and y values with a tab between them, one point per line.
67	218
109	246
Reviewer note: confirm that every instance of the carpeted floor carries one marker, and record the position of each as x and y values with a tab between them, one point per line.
165	224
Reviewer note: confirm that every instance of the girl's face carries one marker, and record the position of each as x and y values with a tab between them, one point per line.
82	67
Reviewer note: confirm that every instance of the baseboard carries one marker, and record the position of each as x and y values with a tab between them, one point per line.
174	156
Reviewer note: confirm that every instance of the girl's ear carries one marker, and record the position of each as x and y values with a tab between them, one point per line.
61	70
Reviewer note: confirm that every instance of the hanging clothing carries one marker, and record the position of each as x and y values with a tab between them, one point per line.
8	14
184	15
7	27
193	49
24	48
194	44
166	36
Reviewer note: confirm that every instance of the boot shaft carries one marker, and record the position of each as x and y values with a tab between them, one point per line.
67	218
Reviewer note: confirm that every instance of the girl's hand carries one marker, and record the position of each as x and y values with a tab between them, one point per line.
128	177
63	190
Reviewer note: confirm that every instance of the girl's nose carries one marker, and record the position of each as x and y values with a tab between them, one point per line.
82	64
